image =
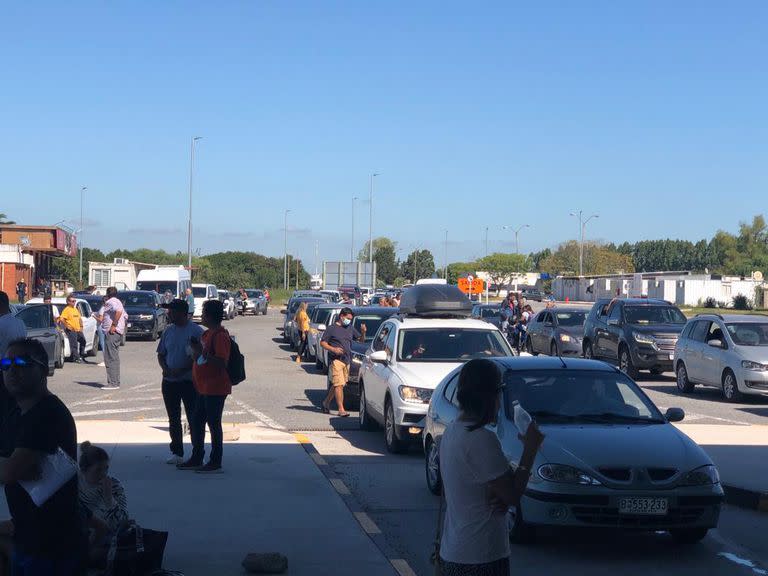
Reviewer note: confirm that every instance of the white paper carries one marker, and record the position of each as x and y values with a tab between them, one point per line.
56	470
522	418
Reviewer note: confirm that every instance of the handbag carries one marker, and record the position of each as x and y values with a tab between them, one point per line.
135	551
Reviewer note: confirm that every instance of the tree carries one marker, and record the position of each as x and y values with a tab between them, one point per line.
378	244
418	264
68	267
501	267
4	219
537	257
598	259
458	270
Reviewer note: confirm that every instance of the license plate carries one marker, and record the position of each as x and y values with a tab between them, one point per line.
129	324
644	506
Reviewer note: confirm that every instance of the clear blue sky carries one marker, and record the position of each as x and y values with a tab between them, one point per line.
653	114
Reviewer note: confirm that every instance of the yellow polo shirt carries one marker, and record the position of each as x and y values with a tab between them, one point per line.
70	317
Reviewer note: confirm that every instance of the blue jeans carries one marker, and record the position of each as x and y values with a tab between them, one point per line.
23	565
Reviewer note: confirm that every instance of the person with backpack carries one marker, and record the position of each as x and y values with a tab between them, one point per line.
212	381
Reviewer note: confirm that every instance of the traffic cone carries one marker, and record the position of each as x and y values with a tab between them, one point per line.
567	299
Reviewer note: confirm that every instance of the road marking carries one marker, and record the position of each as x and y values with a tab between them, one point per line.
260	416
302	439
743	562
105	412
340	487
319	460
365	521
105	401
402	567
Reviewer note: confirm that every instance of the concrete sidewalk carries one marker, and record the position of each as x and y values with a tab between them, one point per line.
741	456
271	497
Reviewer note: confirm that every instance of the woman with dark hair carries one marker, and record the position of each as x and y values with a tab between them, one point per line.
478	483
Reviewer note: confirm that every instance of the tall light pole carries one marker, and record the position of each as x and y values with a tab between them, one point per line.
517	234
352	246
486	241
285	251
582	226
370	222
445	257
317	252
191	181
80	240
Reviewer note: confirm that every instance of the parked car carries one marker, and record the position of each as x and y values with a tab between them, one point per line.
228	300
610	460
255	304
413	351
491	313
530	293
333	295
290	311
202	293
146	318
557	331
173	279
638	333
16	308
89	323
41	326
318	322
728	352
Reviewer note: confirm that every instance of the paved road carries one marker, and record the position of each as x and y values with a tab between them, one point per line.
391	489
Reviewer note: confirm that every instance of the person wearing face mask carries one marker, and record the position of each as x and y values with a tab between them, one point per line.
337	340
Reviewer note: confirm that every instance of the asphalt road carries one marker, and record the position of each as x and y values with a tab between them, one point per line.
391	489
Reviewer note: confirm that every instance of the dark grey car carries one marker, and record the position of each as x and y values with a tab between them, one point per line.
557	331
41	326
491	313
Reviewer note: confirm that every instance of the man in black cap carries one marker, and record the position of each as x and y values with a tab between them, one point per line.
174	353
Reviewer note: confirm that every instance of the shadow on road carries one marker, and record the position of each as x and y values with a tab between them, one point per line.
90	384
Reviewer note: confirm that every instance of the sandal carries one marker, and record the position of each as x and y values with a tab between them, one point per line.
325	409
343	414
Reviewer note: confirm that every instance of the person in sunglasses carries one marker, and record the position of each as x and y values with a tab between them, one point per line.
49	539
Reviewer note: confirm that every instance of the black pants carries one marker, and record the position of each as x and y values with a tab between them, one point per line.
174	394
208	410
76	344
303	341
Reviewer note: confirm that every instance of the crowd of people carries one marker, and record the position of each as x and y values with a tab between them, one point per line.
516	313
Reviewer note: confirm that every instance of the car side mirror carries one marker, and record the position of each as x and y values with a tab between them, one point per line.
716	343
614	322
283	311
322	327
548	324
379	357
674	415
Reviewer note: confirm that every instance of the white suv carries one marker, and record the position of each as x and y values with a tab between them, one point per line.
202	293
728	351
413	351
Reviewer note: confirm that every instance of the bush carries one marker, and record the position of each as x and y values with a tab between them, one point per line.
741	302
710	303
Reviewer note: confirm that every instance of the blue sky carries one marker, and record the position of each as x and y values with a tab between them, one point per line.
652	114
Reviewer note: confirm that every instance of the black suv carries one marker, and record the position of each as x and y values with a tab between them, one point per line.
146	318
638	333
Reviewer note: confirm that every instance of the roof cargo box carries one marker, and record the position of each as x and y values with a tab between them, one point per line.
435	301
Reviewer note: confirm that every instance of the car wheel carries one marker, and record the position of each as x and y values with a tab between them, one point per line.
94	346
688	536
394	444
529	347
589	353
51	370
625	363
155	334
432	467
366	422
684	384
520	532
730	387
553	349
264	312
59	362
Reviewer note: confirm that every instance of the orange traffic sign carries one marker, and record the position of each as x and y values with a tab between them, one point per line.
476	286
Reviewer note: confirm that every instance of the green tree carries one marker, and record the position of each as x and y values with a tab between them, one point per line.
418	264
500	267
378	244
538	257
598	259
4	219
458	270
68	267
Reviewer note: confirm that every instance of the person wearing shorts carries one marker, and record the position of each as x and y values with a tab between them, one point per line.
337	341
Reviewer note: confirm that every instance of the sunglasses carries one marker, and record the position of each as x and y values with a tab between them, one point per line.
20	361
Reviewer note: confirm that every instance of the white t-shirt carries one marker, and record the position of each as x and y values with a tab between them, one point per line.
11	328
473	532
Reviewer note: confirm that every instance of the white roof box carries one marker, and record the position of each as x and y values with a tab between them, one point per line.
435	301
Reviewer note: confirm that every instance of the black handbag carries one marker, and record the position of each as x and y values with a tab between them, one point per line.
135	551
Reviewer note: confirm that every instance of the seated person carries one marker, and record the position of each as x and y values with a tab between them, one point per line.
103	500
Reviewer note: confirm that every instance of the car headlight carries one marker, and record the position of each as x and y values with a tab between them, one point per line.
415	395
565	338
703	476
563	474
145	316
643	338
747	365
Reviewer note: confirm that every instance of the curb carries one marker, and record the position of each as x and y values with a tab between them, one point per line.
744	498
399	565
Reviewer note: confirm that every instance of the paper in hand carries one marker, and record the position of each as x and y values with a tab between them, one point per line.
521	418
56	470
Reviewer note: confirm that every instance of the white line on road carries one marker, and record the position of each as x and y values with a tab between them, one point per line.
340	487
113	411
402	567
260	416
368	525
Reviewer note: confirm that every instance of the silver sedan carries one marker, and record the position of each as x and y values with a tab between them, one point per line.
610	458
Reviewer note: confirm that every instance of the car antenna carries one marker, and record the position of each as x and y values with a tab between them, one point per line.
559	357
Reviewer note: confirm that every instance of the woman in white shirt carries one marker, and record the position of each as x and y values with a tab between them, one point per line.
478	483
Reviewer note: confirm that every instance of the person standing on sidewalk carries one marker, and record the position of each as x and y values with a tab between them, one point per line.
21	290
209	374
175	355
49	539
337	340
301	319
190	298
113	319
72	323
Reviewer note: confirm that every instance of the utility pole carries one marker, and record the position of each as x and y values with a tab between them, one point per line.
582	226
445	257
285	251
317	252
80	240
191	181
486	240
352	246
370	222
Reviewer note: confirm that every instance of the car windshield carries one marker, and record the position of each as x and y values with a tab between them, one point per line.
159	287
449	344
199	291
653	315
571	318
322	315
748	333
372	323
254	293
490	312
137	299
296	303
578	396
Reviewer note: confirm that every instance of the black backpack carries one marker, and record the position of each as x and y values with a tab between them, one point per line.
236	362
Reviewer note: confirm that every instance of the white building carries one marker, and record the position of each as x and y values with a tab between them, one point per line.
514	282
121	274
681	288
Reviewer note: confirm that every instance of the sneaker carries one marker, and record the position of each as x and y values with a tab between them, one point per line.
209	469
101	364
190	465
110	387
175	460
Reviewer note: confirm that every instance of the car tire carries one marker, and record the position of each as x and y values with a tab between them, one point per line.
51	370
432	467
684	384
589	352
155	334
731	391
625	363
59	362
688	536
264	312
520	531
553	349
394	444
529	347
366	421
94	346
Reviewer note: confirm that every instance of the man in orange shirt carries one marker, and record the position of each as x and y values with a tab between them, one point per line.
72	323
211	380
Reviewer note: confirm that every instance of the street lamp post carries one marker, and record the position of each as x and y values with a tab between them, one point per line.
445	257
191	181
486	241
82	193
285	251
582	226
352	246
517	234
370	222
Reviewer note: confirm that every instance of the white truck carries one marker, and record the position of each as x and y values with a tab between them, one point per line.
173	279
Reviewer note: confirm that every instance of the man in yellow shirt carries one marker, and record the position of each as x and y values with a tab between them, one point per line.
72	323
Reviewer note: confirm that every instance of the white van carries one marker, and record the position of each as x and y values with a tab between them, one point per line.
175	279
431	281
202	292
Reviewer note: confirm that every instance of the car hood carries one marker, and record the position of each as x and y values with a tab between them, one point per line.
593	446
753	353
136	310
670	329
424	374
574	331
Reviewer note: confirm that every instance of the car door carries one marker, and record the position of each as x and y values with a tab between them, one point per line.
377	373
693	354
613	331
547	332
89	324
712	358
40	326
601	330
